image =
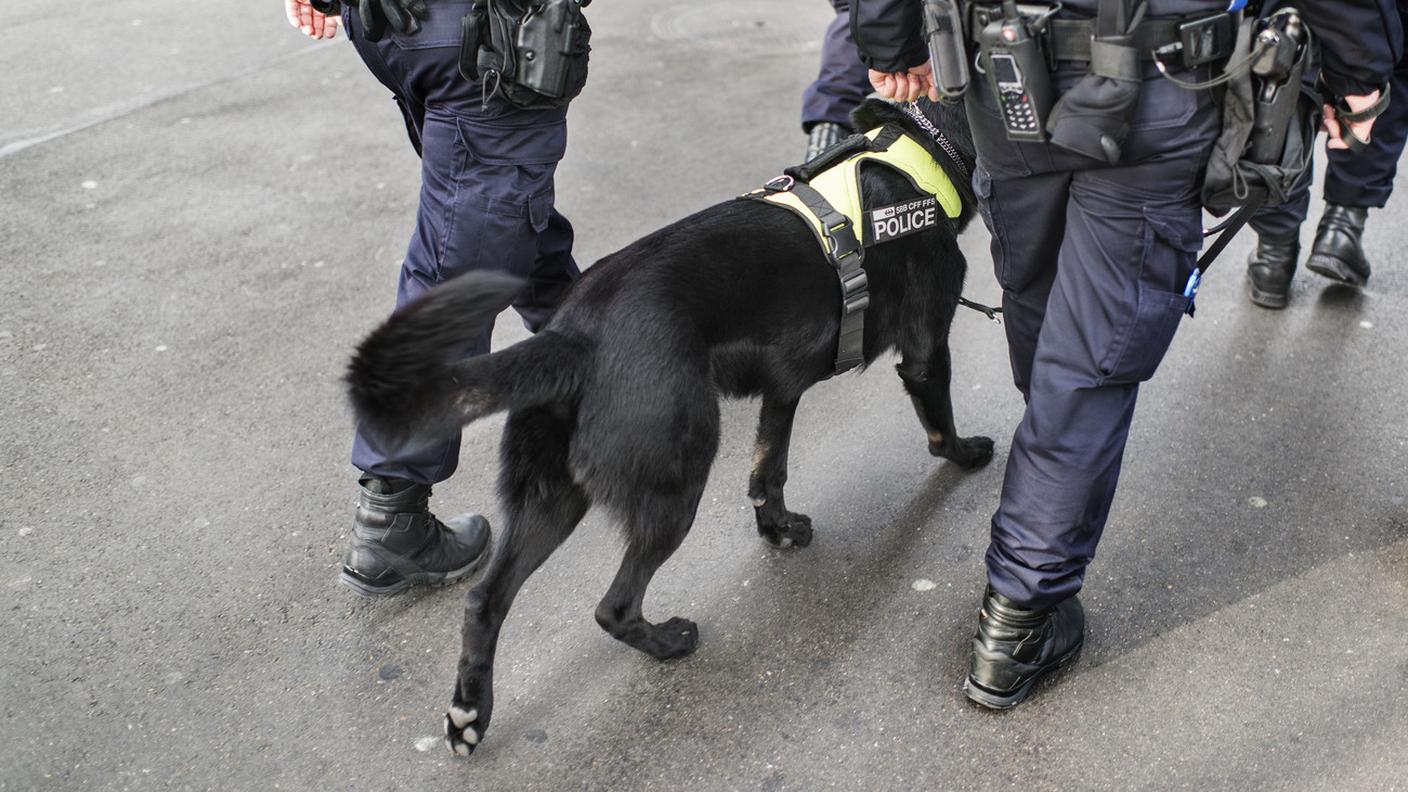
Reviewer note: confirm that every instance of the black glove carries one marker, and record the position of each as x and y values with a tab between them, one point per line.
404	15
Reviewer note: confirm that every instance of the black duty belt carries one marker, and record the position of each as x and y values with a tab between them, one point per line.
1203	39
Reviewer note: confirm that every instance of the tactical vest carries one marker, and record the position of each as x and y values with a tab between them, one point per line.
826	194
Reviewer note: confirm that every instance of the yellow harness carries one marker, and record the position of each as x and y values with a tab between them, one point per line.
839	184
826	194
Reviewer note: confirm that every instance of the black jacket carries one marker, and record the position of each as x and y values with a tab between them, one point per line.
1361	40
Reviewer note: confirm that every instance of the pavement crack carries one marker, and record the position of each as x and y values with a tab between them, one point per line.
124	109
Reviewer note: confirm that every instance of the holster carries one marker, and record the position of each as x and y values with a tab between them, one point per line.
1258	159
530	54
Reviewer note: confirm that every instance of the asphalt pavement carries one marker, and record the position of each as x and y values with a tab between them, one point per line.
201	213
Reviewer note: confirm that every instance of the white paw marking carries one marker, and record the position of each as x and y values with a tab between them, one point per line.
461	750
786	542
461	717
470	736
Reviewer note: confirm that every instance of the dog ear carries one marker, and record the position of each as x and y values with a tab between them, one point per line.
873	112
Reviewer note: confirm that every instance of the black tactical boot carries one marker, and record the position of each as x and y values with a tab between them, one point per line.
1339	251
1014	647
1271	267
398	543
823	136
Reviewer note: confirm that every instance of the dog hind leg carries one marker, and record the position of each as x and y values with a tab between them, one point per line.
657	530
778	526
928	387
543	506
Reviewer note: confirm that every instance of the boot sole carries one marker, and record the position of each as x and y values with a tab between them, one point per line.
1005	701
1267	299
371	590
1335	269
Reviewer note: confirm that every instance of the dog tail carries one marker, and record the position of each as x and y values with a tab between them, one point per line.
405	381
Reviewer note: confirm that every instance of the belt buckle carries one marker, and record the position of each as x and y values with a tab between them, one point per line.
1206	40
841	247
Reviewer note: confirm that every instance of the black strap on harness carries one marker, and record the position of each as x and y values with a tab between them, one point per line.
845	251
848	257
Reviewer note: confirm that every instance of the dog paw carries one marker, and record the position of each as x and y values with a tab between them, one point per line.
790	530
968	452
461	730
665	641
674	639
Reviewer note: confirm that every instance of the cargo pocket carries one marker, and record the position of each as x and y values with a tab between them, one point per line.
508	170
503	194
1170	244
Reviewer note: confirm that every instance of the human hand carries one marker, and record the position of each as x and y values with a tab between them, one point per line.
905	86
1360	129
314	23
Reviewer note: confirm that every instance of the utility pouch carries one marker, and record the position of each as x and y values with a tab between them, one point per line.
531	54
1093	117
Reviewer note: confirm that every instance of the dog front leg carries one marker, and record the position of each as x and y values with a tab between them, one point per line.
928	387
778	526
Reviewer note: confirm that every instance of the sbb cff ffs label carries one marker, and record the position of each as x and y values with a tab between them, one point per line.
892	222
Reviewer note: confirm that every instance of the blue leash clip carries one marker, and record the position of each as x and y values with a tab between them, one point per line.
1190	289
1236	5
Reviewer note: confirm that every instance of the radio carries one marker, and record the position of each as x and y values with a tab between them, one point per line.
1018	74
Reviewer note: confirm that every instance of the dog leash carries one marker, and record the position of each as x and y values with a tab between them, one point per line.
986	310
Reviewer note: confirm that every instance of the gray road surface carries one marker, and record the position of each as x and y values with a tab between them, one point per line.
201	213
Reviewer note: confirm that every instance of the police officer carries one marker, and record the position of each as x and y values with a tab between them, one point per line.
841	84
486	202
1093	258
1354	183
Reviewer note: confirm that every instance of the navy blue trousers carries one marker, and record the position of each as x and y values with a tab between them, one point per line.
1092	261
842	83
486	199
1364	179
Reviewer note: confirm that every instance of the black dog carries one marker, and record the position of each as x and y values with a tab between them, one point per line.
615	402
